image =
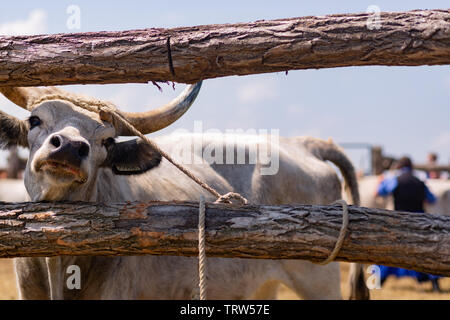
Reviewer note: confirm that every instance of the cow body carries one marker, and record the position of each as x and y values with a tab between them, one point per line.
74	155
309	181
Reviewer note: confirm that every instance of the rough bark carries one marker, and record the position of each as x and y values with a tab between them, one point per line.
414	38
411	240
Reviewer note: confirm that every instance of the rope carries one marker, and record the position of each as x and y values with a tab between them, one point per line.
226	198
342	233
201	249
108	114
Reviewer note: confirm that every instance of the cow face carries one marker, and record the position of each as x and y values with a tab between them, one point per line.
69	144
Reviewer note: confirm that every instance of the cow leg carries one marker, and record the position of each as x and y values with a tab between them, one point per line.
435	284
314	282
55	278
32	278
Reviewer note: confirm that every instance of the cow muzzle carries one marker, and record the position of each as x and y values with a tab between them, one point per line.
65	158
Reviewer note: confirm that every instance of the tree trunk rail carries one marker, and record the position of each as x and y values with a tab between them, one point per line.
416	241
190	54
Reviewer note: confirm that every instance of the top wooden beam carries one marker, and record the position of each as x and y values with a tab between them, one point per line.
413	38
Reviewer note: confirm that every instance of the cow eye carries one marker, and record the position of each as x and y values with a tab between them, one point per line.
34	121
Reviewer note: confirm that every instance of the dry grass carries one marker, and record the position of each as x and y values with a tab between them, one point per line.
8	289
393	289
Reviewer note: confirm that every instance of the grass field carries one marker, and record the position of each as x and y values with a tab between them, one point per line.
393	289
8	289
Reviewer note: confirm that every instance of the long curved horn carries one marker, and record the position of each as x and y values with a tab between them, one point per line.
145	122
24	96
157	119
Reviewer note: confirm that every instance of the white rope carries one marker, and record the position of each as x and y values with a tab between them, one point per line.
202	249
342	233
199	293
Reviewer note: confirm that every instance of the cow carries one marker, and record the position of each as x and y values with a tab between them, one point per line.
76	156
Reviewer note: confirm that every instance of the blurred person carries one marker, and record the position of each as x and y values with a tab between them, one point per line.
432	161
410	194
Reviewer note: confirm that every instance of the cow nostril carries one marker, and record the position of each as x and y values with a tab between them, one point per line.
55	141
83	151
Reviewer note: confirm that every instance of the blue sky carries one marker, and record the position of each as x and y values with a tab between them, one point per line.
404	109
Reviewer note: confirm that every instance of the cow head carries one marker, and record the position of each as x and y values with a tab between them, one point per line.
69	142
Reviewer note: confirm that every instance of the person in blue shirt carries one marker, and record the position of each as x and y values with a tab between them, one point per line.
410	194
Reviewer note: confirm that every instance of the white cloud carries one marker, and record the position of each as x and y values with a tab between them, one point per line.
36	23
257	91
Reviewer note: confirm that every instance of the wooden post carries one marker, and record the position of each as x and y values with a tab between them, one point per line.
14	164
377	160
190	54
410	240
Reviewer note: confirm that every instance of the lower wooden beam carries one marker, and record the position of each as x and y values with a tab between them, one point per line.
410	240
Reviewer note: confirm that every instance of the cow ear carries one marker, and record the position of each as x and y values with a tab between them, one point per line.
13	132
130	157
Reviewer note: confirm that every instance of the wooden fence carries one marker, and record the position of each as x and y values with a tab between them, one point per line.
418	241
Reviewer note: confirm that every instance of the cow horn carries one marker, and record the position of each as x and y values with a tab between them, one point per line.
25	96
157	119
145	122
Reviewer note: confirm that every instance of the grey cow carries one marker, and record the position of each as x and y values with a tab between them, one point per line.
74	155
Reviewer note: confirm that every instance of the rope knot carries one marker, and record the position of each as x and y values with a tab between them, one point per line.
226	198
105	114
